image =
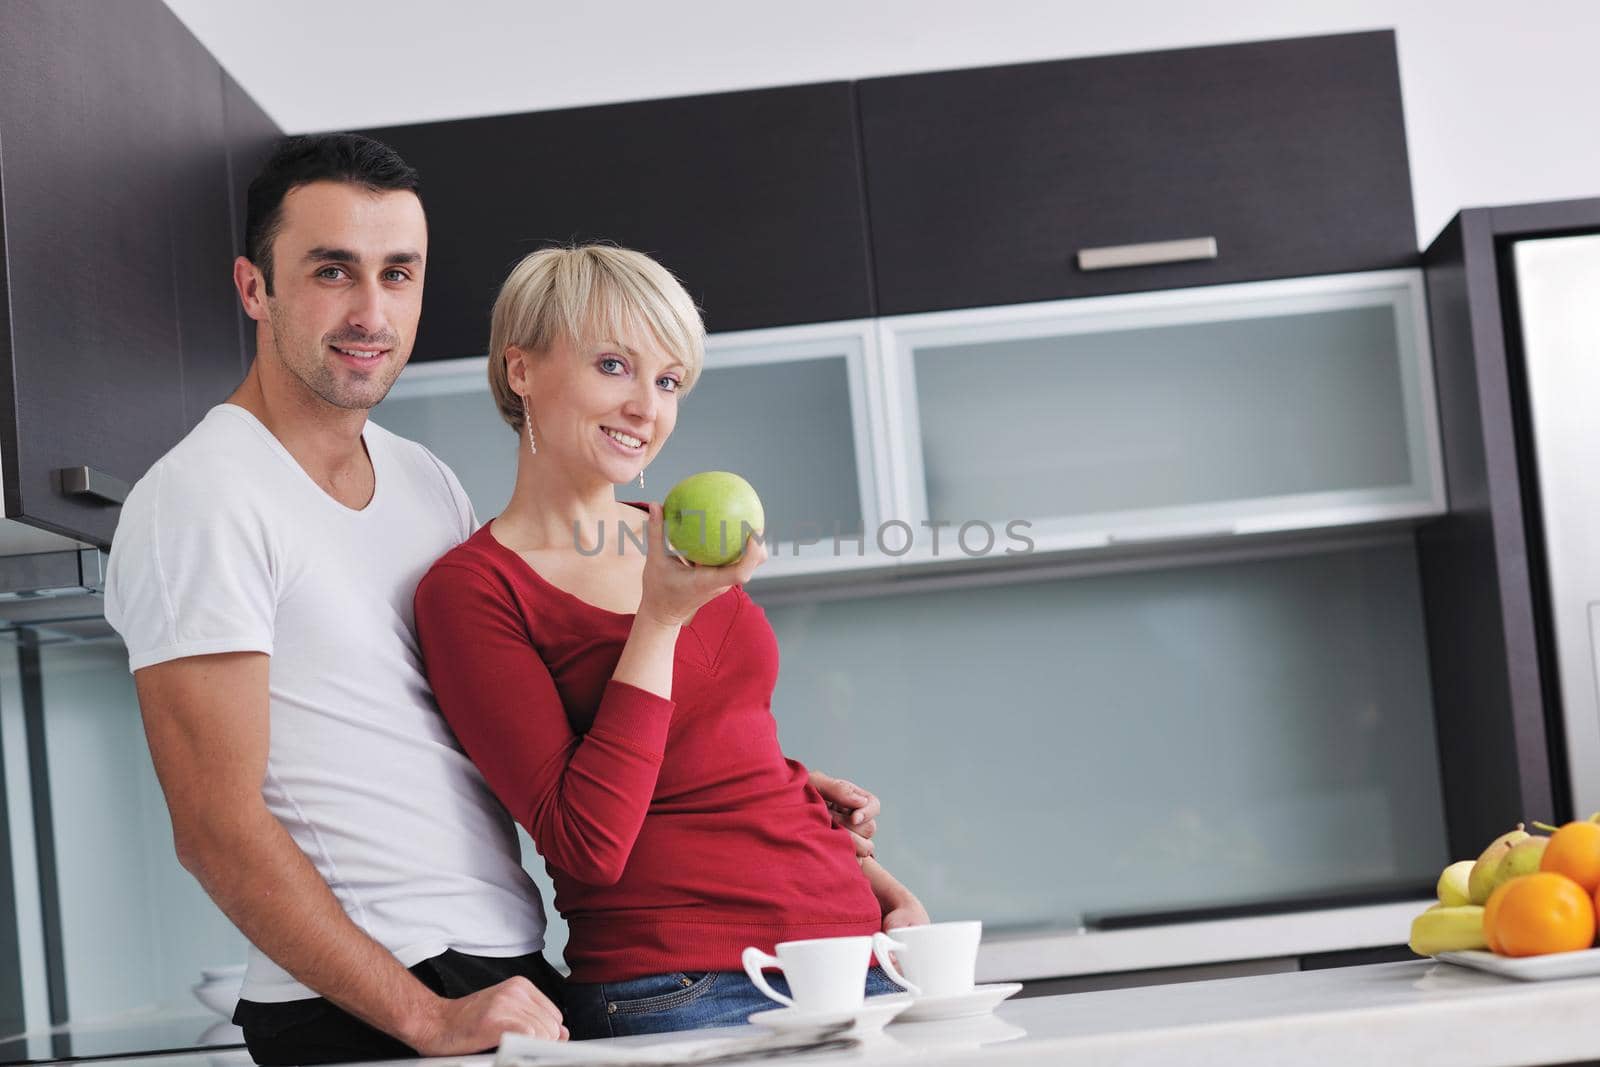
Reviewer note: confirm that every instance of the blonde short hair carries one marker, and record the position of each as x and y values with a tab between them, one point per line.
586	293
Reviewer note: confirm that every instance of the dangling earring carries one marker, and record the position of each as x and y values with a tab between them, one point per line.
527	420
641	477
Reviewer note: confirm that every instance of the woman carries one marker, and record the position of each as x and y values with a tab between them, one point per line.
618	700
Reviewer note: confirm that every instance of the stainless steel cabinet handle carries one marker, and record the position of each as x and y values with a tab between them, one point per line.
98	485
1146	255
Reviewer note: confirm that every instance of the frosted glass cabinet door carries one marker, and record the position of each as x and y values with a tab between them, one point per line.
787	410
784	408
1172	415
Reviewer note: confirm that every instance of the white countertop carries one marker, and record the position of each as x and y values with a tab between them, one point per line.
1019	957
1419	1013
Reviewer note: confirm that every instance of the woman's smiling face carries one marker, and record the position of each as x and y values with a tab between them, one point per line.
606	406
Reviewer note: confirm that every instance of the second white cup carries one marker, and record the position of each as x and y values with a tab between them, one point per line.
937	960
825	974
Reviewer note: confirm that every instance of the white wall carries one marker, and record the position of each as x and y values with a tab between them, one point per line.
1501	101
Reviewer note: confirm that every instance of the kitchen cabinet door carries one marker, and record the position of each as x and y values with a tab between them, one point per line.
984	186
1511	637
787	409
753	199
90	152
116	237
251	136
202	222
1165	417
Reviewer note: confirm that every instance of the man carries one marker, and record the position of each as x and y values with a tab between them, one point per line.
262	577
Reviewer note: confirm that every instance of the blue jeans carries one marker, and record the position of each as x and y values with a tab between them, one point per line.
662	1003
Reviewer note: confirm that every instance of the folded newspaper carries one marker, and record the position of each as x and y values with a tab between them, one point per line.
520	1050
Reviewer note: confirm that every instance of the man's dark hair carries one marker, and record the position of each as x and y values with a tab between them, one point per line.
322	157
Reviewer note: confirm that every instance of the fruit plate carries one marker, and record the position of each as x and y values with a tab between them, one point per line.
1529	968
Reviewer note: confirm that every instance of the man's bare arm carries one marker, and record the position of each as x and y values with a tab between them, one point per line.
899	905
206	718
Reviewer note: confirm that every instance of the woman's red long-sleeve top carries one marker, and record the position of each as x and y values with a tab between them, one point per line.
675	831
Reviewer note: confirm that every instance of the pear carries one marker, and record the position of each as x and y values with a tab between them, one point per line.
1452	887
1480	883
1522	858
1442	929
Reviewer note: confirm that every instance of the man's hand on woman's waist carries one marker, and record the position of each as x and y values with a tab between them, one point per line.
852	807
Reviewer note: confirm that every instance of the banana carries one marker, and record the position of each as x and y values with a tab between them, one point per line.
1442	929
1452	887
1481	882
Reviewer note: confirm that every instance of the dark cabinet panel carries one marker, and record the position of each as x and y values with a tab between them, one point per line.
1494	759
250	135
1491	638
202	242
117	240
13	1016
983	185
752	198
89	151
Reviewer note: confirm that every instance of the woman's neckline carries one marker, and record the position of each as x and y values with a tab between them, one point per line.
488	529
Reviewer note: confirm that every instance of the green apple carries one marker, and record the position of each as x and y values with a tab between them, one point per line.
709	516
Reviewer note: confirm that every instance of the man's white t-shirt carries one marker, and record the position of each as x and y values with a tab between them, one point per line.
228	545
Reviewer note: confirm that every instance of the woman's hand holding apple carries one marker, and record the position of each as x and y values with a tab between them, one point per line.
674	588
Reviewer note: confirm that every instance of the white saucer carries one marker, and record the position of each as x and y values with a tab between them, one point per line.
1578	964
870	1018
980	1000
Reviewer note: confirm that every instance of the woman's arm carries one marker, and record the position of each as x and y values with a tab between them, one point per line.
899	905
582	797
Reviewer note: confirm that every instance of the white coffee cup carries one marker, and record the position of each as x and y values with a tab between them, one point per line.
937	960
825	974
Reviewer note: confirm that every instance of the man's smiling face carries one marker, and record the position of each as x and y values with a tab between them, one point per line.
347	268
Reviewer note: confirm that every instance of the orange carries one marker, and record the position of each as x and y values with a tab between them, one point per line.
1491	910
1543	913
1574	850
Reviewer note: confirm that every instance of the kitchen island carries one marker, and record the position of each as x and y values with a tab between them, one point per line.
1415	1013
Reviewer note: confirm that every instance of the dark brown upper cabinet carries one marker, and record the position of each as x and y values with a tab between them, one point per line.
1493	601
118	322
752	198
985	185
251	136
